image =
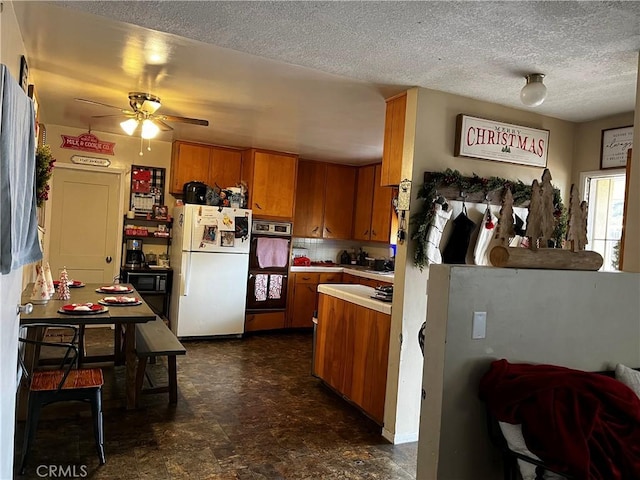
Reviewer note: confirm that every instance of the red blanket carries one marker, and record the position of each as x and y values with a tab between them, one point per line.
584	424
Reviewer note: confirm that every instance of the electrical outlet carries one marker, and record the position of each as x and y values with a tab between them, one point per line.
479	325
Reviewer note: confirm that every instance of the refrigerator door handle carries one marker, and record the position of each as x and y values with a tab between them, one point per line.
185	278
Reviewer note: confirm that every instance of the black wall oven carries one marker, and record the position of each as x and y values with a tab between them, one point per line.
269	255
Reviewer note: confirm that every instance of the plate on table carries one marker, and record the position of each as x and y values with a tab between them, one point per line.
82	309
71	283
114	289
120	301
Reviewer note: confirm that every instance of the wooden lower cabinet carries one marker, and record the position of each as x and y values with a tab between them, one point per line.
264	321
352	351
304	299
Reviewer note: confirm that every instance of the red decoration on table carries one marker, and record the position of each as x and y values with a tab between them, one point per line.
63	286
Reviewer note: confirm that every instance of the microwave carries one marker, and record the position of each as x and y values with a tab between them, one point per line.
147	282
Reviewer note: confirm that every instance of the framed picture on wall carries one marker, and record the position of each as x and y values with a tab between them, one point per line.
24	73
616	142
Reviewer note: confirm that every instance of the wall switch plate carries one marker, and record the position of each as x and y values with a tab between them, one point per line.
479	325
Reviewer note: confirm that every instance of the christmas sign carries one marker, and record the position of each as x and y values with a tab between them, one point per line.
486	139
87	142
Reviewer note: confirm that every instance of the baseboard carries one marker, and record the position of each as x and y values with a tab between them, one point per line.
398	439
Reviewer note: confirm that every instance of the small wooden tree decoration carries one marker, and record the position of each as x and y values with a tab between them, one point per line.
583	231
547	220
63	286
577	232
533	230
505	230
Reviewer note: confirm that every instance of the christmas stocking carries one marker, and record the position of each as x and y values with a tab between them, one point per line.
434	234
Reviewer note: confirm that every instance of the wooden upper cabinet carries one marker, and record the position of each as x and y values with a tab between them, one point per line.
340	187
271	179
373	209
204	163
394	124
382	209
225	165
364	203
307	221
324	200
189	162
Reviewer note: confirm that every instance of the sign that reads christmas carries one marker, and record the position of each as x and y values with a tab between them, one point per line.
87	142
486	139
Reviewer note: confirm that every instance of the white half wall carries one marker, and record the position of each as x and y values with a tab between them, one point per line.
583	320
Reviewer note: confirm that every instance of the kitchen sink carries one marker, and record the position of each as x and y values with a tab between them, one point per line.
377	272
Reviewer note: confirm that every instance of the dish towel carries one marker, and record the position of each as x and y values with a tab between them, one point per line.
275	287
18	224
272	252
260	289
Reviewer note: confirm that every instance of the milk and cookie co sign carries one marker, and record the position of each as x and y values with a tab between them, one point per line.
87	142
503	142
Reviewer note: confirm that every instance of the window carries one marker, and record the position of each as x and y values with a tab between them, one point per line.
604	193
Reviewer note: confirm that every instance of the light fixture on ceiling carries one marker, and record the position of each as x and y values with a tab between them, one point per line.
148	128
534	92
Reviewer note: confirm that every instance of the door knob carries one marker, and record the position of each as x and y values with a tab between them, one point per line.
27	308
108	259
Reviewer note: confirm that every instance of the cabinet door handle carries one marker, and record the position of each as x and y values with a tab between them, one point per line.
373	233
258	206
108	259
328	230
366	232
315	230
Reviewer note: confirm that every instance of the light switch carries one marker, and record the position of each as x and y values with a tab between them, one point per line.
479	325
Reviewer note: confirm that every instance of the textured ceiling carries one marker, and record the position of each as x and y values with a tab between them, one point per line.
238	64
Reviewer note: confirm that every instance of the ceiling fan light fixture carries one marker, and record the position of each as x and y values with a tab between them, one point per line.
534	92
149	129
129	126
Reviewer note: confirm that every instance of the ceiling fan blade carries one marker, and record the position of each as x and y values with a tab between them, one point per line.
104	105
173	118
130	114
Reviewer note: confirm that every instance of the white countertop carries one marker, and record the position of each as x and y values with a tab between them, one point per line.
354	293
359	272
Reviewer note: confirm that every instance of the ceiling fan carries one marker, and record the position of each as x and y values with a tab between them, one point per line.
142	113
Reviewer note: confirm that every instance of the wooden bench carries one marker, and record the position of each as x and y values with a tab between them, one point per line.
154	339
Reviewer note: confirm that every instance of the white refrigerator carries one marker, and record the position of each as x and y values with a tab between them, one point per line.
210	259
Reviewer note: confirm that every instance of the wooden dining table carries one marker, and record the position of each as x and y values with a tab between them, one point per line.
125	316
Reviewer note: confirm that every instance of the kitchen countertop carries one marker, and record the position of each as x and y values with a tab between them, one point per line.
358	294
352	270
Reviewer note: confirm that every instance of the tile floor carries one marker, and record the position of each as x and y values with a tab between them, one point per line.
247	409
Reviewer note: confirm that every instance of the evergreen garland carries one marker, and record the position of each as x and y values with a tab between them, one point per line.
453	178
44	170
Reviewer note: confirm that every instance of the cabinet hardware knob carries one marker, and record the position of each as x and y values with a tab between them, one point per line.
108	259
27	308
373	232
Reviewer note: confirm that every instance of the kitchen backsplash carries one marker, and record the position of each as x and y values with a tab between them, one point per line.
319	250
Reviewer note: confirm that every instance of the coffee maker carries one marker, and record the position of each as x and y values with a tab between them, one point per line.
135	256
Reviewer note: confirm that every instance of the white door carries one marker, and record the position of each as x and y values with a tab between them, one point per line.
86	221
10	286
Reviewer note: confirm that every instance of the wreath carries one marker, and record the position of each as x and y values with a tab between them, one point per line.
44	170
453	178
